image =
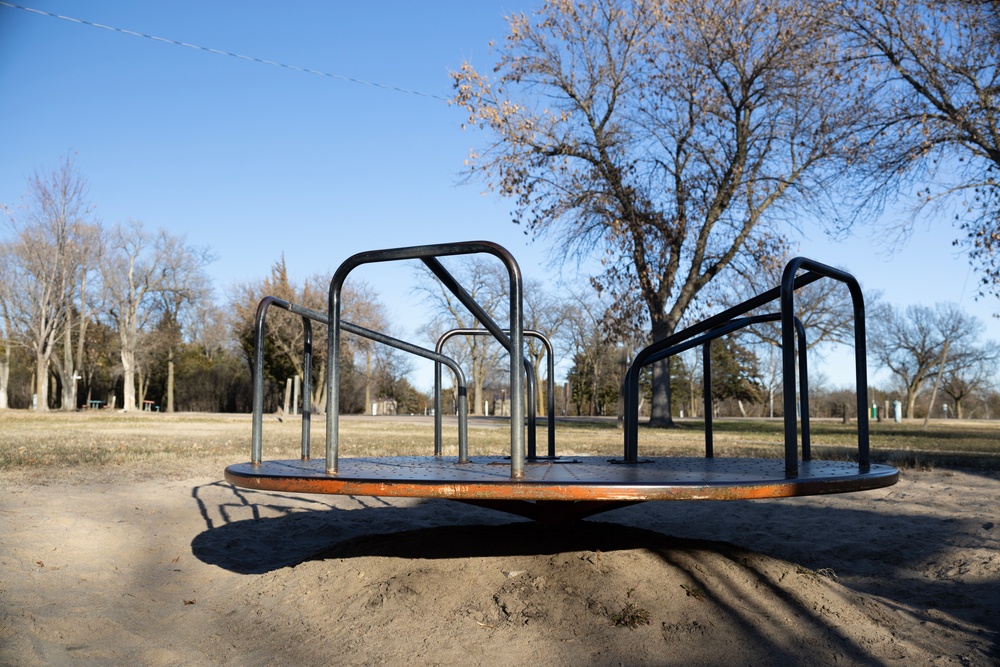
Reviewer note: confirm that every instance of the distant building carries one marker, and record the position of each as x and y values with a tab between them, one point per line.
384	406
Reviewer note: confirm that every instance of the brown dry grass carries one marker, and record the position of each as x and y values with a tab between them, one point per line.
102	444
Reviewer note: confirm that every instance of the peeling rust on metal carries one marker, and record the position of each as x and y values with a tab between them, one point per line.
588	480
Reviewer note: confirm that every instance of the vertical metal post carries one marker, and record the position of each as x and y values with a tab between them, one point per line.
333	371
804	389
463	418
307	355
257	423
788	285
631	394
706	365
861	375
529	374
437	406
551	398
517	453
788	368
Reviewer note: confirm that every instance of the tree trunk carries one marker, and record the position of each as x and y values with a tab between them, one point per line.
368	380
4	380
142	378
477	395
68	390
128	380
937	381
660	409
81	338
170	380
319	391
67	371
41	382
911	400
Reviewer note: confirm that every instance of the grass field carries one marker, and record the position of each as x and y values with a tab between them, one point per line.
108	440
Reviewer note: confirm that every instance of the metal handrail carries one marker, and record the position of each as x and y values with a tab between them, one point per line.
789	283
726	321
705	341
428	254
532	389
256	441
308	315
721	319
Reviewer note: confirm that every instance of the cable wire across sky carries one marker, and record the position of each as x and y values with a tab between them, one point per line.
263	61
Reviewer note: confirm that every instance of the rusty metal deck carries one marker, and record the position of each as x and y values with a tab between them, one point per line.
577	486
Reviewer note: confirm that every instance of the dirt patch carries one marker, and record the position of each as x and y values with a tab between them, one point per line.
188	570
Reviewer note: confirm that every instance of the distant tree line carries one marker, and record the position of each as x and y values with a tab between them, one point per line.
94	315
676	142
123	317
97	316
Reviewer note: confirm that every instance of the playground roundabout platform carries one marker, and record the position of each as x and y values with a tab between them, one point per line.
564	488
557	488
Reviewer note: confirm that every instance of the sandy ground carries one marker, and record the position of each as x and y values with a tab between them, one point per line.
188	570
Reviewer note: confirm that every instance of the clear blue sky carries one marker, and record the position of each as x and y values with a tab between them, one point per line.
255	160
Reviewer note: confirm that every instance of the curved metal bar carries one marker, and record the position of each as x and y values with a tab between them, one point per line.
309	315
706	338
532	388
438	359
641	359
256	438
706	363
789	283
427	254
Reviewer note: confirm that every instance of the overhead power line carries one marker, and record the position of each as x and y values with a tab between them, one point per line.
263	61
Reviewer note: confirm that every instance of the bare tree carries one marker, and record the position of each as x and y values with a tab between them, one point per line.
284	332
934	90
486	282
48	262
6	331
970	370
141	271
362	307
593	363
547	315
78	316
208	328
600	352
190	287
913	344
285	338
666	137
